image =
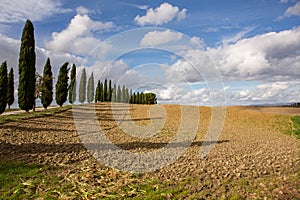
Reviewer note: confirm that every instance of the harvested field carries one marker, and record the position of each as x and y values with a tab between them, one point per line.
255	156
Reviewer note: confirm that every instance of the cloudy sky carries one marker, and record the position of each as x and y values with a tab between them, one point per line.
188	52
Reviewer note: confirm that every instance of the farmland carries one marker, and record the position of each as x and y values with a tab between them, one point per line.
256	156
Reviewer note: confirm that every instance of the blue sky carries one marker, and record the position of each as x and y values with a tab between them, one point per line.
254	45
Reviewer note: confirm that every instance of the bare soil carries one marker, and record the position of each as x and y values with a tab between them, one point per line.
254	158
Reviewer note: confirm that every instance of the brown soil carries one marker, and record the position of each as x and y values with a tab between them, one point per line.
253	157
274	110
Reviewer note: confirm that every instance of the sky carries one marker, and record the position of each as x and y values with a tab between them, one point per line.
197	52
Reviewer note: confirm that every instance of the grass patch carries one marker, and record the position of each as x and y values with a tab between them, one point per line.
20	116
296	126
19	180
81	181
12	109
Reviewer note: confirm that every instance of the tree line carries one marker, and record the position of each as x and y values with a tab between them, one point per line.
31	85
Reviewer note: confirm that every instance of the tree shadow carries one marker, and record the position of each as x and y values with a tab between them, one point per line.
40	148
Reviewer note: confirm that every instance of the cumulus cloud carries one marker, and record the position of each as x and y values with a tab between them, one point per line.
262	57
283	1
198	42
154	38
237	36
18	11
273	92
9	51
161	15
78	37
293	10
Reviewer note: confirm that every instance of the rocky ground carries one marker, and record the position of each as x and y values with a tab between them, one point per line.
254	158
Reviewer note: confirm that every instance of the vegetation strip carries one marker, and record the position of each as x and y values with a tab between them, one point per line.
296	124
21	116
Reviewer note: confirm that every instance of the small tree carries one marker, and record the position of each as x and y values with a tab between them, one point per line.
10	88
114	94
90	89
26	85
72	87
123	95
3	87
38	88
119	93
61	87
97	96
105	92
82	87
47	85
101	98
109	91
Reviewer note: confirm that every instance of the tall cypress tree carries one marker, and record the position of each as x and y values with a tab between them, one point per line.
114	94
97	96
105	92
3	87
26	87
127	95
123	96
101	96
61	87
82	87
119	94
10	88
47	85
90	89
72	87
109	91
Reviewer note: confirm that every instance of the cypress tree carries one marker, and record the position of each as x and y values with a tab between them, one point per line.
134	98
109	91
126	95
26	87
90	89
119	94
123	95
101	92
130	96
82	87
3	87
38	88
114	94
61	87
105	93
10	88
72	87
47	85
97	96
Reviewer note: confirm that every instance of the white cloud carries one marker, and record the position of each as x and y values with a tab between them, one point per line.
198	42
82	10
78	37
19	11
238	36
284	1
274	92
154	38
293	10
270	56
9	51
161	15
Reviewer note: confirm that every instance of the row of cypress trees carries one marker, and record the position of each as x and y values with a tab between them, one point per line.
6	87
106	93
32	85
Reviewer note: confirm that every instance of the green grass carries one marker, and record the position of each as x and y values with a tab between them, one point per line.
12	109
296	125
31	181
19	180
20	116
